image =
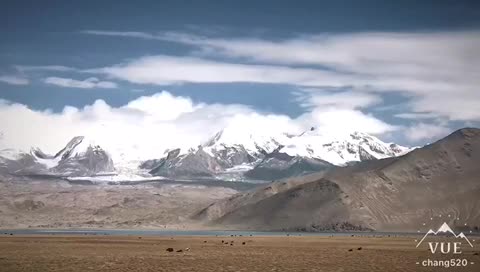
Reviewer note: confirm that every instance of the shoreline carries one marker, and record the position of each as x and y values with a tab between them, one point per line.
198	232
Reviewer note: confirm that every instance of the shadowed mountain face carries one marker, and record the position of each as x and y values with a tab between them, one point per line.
279	165
393	194
194	164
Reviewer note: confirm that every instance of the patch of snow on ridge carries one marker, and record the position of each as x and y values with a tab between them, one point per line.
240	168
48	162
115	178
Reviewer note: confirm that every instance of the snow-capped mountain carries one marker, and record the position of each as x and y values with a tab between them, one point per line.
231	149
195	163
231	154
80	157
340	149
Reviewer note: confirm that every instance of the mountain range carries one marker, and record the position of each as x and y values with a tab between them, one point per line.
78	158
347	182
228	155
237	156
391	194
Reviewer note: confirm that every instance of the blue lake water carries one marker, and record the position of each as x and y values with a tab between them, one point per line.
187	233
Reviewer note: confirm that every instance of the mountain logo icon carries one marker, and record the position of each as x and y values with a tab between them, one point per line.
444	228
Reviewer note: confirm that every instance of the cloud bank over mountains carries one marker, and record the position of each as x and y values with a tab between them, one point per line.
146	126
340	80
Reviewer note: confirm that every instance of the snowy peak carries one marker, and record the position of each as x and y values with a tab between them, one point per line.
78	158
335	148
341	149
69	148
253	143
378	146
77	147
231	148
212	141
235	147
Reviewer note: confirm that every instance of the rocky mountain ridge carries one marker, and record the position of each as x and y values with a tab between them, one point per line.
392	194
267	157
79	157
229	155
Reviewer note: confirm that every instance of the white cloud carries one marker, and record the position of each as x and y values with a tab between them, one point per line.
145	127
163	106
423	131
54	68
341	111
398	54
88	83
419	115
165	70
437	71
14	79
334	120
130	34
344	100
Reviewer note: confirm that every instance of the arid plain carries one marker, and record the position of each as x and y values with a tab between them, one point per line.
147	253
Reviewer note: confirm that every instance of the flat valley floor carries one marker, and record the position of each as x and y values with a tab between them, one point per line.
287	253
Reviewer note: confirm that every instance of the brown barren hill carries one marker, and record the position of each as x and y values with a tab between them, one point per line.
394	194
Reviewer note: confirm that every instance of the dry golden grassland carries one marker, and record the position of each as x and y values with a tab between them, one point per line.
129	253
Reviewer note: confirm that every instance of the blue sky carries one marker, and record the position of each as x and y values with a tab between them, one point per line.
402	70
